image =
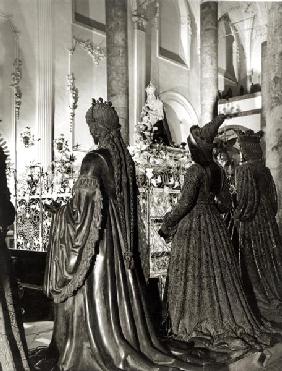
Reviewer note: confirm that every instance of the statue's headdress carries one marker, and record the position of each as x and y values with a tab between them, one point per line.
3	155
200	140
103	119
102	116
250	144
3	177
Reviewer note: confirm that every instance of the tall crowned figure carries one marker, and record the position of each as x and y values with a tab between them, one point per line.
206	302
13	348
260	242
93	271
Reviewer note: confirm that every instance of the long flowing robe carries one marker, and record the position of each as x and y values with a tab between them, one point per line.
206	301
101	320
13	348
260	241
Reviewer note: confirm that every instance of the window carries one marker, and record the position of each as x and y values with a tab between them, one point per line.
175	31
90	13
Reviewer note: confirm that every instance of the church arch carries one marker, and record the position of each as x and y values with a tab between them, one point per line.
180	115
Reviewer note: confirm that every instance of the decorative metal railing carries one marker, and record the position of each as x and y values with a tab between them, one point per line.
33	222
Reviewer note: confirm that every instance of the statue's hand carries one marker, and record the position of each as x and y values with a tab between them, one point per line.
53	207
221	117
165	236
162	234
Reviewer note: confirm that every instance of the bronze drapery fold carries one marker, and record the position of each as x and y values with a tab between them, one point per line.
77	227
13	347
259	238
206	300
104	324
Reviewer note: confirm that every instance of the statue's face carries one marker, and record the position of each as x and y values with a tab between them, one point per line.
95	135
96	139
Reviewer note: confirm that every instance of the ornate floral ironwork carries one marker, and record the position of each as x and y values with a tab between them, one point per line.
142	12
34	222
35	190
155	202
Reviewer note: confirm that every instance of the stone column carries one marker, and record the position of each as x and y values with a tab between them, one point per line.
62	18
274	101
44	81
209	58
154	73
264	88
139	65
117	60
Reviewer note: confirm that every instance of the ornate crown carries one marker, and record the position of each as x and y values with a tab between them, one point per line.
250	144
250	136
101	114
3	155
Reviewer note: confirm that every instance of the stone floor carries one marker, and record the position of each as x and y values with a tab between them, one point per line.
39	334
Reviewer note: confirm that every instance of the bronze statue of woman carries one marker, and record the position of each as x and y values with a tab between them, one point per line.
13	348
260	241
206	300
93	272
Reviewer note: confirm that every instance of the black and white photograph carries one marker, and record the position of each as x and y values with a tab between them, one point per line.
140	180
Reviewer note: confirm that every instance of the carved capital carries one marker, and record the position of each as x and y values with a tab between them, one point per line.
157	15
144	11
261	32
139	21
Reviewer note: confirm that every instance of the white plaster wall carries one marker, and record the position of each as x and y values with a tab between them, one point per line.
252	122
62	43
170	76
23	16
91	81
7	43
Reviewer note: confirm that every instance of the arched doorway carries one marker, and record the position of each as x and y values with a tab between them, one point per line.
180	115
